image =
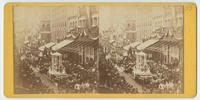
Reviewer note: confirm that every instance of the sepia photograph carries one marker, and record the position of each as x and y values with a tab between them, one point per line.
99	49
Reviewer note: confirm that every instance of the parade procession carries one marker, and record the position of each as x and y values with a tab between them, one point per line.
99	49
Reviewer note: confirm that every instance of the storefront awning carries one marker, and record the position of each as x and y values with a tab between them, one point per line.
167	42
61	44
84	39
132	45
76	44
147	43
48	45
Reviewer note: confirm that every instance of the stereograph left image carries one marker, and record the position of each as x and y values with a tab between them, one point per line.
55	49
98	49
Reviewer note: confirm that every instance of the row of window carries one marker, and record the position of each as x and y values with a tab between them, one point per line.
74	23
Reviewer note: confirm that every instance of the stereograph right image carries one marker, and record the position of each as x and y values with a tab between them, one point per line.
141	49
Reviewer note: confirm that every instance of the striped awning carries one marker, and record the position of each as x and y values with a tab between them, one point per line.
163	42
147	43
48	45
61	44
76	44
132	45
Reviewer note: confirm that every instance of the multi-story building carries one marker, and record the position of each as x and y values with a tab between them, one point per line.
150	18
179	15
169	17
179	21
45	29
62	21
173	16
130	30
68	20
94	16
173	19
146	18
143	22
158	16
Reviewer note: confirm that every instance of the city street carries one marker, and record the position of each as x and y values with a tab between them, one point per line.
130	80
46	80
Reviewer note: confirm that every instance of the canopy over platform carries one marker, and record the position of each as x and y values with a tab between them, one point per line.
48	45
84	39
168	40
61	44
147	43
132	45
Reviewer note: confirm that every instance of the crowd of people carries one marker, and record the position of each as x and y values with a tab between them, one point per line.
163	78
87	78
168	76
111	80
79	78
30	82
